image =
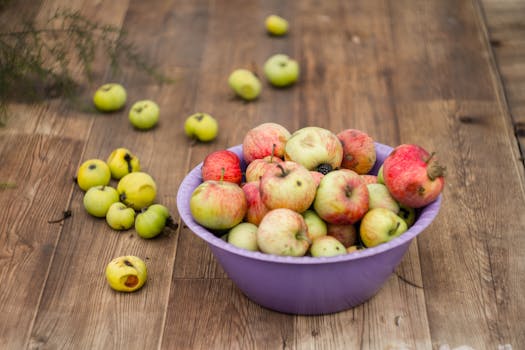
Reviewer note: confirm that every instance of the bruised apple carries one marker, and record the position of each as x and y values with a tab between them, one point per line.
359	153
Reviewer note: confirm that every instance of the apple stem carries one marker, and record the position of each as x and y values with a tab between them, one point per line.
171	224
392	231
283	172
434	169
222	174
273	152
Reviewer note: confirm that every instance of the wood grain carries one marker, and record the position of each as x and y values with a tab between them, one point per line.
404	72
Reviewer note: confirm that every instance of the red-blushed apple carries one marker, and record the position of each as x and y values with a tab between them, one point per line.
317	176
314	147
283	232
326	246
359	152
342	197
288	185
218	205
264	140
413	176
316	225
369	178
380	197
244	235
344	233
222	164
380	225
256	169
256	208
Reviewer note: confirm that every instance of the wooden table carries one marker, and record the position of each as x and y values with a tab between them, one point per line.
405	71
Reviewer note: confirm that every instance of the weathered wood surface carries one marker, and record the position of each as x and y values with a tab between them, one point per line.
403	71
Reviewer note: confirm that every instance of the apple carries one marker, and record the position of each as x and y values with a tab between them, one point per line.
317	176
316	225
244	235
122	162
380	225
126	273
144	114
380	179
342	197
256	169
359	152
120	217
408	214
201	126
245	84
256	208
218	205
353	248
314	147
93	172
281	70
151	221
222	164
110	97
369	178
276	25
98	199
265	139
283	232
413	176
326	246
137	190
380	197
344	233
288	185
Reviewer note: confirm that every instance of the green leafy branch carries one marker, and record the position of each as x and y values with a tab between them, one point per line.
36	61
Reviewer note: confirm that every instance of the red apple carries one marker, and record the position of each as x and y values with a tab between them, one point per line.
413	176
256	208
346	233
288	185
264	140
359	153
224	165
342	197
256	169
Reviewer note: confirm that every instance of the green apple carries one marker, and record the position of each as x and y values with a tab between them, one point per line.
276	25
408	214
152	221
316	226
380	197
93	172
380	179
244	236
98	199
245	84
110	97
380	225
326	246
137	190
281	70
201	126
120	217
122	162
144	114
126	273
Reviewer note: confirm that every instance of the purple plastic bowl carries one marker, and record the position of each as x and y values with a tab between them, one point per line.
306	285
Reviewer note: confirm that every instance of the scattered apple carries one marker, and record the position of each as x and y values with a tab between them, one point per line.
244	235
281	70
344	233
120	217
110	97
245	84
413	176
359	153
93	172
380	225
256	208
137	190
288	185
342	197
223	164
122	162
264	140
316	225
126	273
276	25
326	246
150	222
98	199
144	114
201	126
314	148
283	232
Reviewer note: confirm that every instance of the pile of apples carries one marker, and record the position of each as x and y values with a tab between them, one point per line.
311	193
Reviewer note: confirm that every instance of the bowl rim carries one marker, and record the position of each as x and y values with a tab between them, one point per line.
426	216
